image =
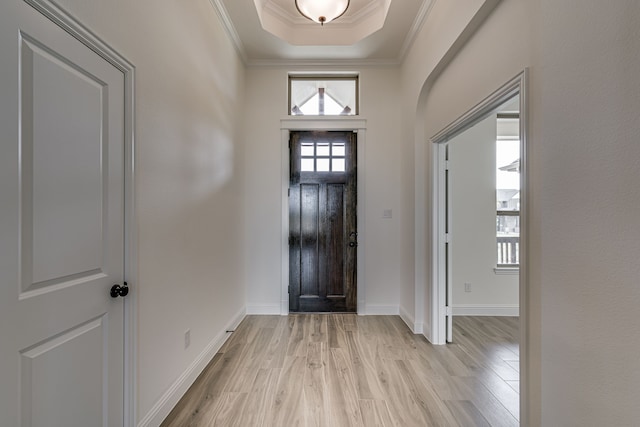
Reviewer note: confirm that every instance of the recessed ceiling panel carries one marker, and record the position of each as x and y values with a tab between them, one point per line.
267	31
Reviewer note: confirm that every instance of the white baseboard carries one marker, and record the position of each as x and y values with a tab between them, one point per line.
384	310
264	309
485	310
170	398
415	327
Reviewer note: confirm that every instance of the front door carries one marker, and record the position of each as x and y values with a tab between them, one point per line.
61	227
322	222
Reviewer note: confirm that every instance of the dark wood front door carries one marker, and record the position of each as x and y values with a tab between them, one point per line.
322	222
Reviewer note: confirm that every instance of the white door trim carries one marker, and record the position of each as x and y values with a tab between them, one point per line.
293	123
71	25
517	85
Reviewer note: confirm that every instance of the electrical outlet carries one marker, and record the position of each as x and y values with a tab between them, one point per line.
187	338
467	287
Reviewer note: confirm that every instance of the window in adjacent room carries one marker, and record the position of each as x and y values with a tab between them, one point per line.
323	95
508	190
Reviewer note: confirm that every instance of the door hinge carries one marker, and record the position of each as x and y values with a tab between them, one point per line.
447	165
447	237
448	311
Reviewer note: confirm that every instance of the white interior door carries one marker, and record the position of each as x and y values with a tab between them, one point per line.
61	227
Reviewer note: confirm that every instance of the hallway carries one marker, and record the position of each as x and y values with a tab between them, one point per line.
349	370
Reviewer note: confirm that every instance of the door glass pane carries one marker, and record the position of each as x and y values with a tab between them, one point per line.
307	149
322	149
323	165
338	148
337	165
306	165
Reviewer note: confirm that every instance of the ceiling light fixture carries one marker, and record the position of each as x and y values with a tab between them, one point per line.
322	11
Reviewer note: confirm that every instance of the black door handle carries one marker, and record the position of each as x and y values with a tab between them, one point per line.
353	244
119	291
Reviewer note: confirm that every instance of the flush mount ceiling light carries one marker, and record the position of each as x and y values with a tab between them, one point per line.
322	11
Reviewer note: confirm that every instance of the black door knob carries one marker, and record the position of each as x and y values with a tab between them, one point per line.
119	291
353	244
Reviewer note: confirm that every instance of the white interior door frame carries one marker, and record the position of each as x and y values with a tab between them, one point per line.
517	85
342	123
75	28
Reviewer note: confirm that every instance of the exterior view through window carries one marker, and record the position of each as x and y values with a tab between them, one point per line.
508	190
323	95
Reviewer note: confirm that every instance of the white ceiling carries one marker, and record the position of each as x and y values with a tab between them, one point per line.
356	37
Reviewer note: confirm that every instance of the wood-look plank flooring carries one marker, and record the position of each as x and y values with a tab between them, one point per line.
333	370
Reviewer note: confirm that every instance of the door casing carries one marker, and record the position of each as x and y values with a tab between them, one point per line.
294	123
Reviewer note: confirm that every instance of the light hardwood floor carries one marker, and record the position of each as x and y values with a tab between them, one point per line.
345	370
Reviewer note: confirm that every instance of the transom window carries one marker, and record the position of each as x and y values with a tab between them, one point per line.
322	157
323	95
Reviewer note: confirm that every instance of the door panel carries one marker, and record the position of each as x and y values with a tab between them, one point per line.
322	210
62	227
309	230
56	358
335	244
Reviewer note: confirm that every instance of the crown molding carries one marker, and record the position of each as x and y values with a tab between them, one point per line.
323	63
421	18
229	28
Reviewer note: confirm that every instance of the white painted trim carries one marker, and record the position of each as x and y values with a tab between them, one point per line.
421	18
438	288
407	318
420	242
322	123
525	381
356	124
486	310
323	63
230	29
382	310
174	393
274	309
416	327
83	34
284	215
506	271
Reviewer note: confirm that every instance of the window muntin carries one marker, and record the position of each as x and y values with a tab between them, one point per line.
322	157
323	95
